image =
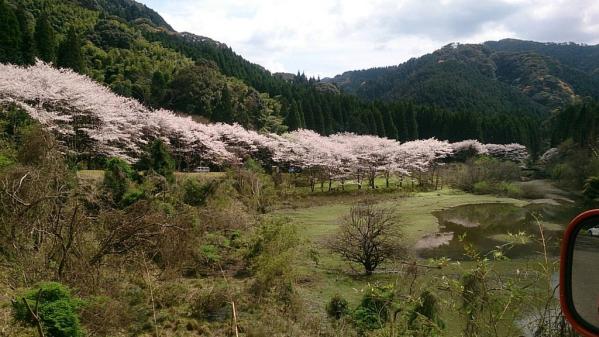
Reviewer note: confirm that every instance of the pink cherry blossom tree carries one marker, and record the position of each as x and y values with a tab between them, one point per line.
90	120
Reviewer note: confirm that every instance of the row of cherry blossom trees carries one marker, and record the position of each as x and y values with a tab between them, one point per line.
92	121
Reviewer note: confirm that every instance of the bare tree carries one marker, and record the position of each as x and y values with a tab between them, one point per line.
368	235
141	226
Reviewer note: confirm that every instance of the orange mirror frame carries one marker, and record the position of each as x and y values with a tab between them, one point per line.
567	250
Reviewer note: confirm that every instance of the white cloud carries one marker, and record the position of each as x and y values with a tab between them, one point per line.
327	37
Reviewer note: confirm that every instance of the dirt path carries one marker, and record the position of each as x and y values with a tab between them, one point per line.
545	191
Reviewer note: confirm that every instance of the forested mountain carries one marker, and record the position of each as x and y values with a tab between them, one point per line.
578	56
126	9
509	76
134	52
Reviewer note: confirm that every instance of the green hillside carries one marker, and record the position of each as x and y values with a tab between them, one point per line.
494	77
132	50
578	56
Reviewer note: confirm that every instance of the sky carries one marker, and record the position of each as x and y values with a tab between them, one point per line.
327	37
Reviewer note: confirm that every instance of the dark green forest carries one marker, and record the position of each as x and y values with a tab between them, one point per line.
578	123
534	79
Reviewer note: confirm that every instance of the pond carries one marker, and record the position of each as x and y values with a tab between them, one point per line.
486	226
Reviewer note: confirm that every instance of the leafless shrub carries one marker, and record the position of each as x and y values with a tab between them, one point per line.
369	235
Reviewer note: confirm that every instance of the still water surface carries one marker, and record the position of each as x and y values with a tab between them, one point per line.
486	226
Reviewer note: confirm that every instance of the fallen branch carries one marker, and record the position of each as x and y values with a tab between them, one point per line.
35	314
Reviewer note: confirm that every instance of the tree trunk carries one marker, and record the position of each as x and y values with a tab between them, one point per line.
359	181
371	177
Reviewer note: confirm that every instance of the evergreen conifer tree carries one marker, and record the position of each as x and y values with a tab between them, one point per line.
390	129
293	117
412	123
10	35
158	88
27	42
45	39
319	120
302	118
223	112
69	52
378	119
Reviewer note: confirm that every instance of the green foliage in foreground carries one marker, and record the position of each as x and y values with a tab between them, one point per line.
337	307
117	176
56	308
270	251
426	316
373	311
486	175
196	193
591	188
158	159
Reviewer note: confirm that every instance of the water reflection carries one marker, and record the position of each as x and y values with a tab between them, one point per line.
486	226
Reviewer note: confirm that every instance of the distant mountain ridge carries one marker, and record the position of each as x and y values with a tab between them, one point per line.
497	76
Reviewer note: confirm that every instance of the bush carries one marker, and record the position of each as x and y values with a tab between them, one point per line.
372	313
560	171
425	317
37	146
5	160
170	294
591	188
485	170
270	254
210	254
483	187
117	176
211	304
132	196
13	121
337	307
501	188
253	165
195	193
57	310
157	158
105	315
510	189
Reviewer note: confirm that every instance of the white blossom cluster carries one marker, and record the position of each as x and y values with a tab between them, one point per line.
514	152
549	155
87	116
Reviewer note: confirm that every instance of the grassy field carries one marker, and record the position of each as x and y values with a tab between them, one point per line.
98	175
415	212
351	185
320	281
